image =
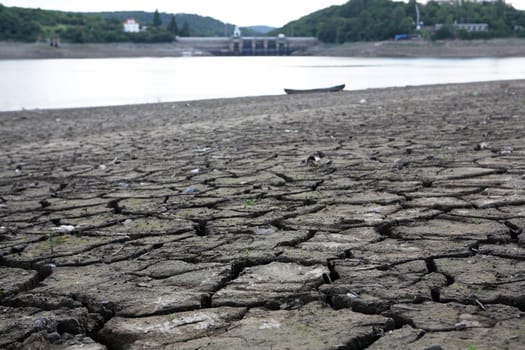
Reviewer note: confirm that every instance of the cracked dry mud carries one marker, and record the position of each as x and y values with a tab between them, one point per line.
380	219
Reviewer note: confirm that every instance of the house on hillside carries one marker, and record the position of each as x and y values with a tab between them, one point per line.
469	27
131	26
473	27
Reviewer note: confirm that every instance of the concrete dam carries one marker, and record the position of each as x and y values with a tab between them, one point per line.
246	45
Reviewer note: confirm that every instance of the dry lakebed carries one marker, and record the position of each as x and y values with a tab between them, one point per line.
377	219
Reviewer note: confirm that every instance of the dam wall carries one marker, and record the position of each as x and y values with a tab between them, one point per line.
247	46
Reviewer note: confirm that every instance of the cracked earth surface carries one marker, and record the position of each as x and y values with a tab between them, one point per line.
380	219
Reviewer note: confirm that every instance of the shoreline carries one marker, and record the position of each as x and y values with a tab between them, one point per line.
250	99
512	47
143	114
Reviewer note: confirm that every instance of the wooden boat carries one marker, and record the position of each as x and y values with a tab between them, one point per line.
312	91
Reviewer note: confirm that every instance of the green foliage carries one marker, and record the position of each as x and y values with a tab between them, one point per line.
172	26
250	202
200	26
18	25
157	22
185	31
30	25
51	243
372	20
445	32
257	30
357	20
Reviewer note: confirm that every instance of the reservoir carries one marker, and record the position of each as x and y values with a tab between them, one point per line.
63	83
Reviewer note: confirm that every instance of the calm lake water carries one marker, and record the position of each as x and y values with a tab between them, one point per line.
32	84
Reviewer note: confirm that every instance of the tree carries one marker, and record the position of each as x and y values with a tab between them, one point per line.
185	31
172	26
445	32
157	22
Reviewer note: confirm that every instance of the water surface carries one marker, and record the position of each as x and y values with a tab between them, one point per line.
61	83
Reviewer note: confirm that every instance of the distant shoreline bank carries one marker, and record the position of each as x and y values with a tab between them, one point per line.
413	48
512	47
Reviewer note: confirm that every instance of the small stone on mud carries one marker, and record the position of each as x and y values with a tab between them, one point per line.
351	296
263	231
64	228
191	190
507	151
481	146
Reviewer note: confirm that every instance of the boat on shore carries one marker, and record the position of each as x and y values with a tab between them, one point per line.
335	88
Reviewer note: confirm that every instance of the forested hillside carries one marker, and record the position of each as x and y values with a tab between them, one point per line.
357	20
29	25
197	25
372	20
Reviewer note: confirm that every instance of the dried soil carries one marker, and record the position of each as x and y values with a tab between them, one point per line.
378	219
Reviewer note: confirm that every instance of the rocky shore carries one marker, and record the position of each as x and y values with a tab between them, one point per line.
378	219
513	47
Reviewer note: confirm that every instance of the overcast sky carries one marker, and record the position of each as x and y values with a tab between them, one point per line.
241	12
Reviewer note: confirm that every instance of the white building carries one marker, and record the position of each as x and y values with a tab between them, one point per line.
469	27
131	26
